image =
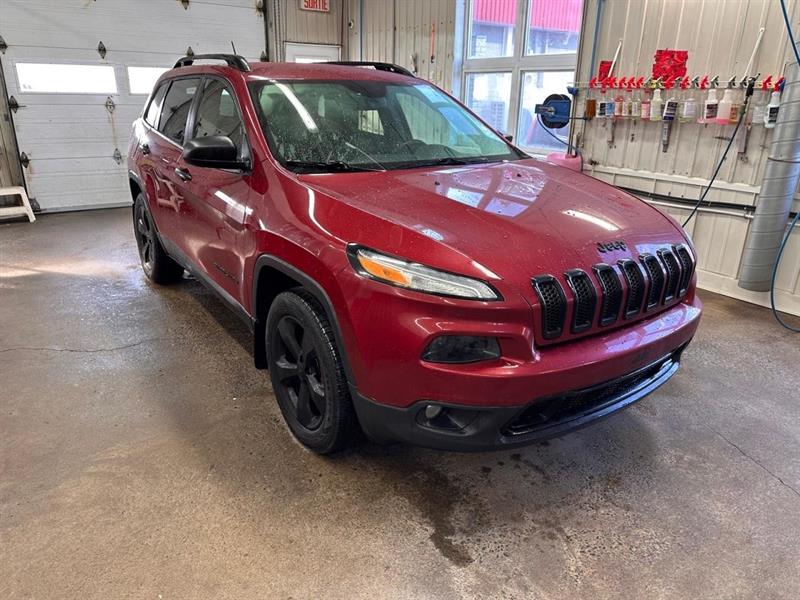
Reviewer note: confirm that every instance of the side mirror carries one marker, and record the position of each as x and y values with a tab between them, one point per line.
213	152
509	137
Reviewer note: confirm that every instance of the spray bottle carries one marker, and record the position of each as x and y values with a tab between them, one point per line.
771	116
627	104
657	104
610	103
736	106
725	106
711	105
646	105
619	101
760	108
688	108
636	104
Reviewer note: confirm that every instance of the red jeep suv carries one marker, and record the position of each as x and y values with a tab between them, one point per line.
405	270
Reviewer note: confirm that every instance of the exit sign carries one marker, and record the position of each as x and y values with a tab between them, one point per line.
315	5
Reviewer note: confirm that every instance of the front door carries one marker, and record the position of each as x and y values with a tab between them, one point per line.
216	200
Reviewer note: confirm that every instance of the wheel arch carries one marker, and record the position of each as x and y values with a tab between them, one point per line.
272	276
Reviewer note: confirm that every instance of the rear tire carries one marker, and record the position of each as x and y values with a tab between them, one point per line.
307	374
156	263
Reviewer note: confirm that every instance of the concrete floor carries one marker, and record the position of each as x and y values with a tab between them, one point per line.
142	455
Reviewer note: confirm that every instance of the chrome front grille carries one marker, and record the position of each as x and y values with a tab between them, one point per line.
655	280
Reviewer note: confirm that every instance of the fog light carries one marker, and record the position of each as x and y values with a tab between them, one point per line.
456	349
432	411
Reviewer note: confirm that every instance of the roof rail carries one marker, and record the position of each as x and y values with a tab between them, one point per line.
378	66
232	60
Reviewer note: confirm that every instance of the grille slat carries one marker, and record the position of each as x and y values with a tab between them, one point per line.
584	300
636	287
674	274
656	276
687	268
611	298
553	304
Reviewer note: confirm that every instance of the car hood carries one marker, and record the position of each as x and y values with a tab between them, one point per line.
516	219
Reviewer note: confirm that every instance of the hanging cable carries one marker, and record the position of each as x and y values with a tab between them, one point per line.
550	133
702	197
797	216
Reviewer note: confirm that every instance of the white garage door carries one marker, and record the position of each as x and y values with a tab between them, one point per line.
76	106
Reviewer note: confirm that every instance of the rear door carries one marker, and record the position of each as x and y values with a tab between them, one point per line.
215	201
163	145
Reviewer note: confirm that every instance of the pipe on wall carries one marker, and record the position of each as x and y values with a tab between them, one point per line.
781	177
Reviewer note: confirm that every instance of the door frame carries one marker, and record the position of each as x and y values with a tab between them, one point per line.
13	175
299	46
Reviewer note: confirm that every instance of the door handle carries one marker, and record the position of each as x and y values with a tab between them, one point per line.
144	148
183	174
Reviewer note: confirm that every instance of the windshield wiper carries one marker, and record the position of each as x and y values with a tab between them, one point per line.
332	166
452	160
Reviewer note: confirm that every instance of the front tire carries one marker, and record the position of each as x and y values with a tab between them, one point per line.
156	263
307	374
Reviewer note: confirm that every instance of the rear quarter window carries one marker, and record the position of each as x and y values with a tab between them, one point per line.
154	108
175	109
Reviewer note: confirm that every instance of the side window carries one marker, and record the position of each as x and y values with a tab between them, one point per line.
154	108
217	114
176	107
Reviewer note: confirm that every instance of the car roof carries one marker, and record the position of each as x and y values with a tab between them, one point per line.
310	71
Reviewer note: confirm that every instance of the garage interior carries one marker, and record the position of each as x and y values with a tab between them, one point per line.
141	453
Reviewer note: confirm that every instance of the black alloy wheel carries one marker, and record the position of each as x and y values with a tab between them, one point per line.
298	371
145	237
307	373
157	265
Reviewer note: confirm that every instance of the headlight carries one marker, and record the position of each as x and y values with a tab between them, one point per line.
414	276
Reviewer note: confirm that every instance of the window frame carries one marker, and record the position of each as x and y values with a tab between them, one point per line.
191	123
518	64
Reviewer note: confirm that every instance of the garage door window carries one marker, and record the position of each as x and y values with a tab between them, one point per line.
66	79
176	108
142	79
217	114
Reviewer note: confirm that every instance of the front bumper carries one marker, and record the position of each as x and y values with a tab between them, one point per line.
478	428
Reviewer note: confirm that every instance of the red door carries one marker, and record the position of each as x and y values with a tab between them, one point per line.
214	202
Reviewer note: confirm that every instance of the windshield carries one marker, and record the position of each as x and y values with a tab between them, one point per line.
324	126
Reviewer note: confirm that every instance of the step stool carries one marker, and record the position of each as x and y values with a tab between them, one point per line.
17	211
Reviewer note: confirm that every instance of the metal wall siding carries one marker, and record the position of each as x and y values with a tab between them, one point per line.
396	30
311	27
